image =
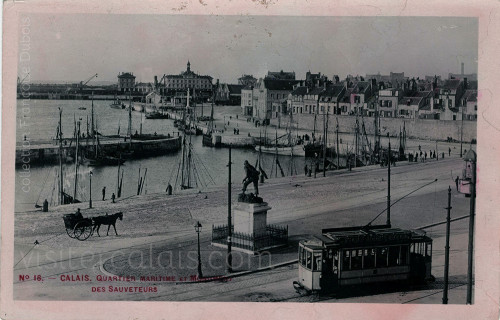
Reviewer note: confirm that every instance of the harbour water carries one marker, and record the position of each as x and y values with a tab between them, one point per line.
38	183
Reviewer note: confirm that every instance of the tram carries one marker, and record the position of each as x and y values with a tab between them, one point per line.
343	257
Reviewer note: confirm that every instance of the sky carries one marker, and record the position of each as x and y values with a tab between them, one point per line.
74	47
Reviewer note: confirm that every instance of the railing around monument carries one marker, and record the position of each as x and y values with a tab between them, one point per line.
275	236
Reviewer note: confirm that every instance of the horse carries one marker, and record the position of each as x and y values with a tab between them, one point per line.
106	220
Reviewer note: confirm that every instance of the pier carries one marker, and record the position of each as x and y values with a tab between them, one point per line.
47	151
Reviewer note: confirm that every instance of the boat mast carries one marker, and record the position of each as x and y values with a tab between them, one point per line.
325	119
338	150
356	142
129	130
76	159
61	191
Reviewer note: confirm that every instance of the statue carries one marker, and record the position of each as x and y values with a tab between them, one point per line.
252	175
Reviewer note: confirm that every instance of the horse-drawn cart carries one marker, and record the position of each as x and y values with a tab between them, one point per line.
80	229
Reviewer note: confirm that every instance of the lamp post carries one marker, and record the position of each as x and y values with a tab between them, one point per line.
90	197
198	227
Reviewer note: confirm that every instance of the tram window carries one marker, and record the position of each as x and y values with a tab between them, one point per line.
428	249
308	259
301	256
382	257
394	256
317	261
346	260
404	255
369	259
356	259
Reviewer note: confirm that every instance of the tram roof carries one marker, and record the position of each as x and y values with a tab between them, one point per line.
369	236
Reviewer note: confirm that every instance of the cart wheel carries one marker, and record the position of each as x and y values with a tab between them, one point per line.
83	230
70	233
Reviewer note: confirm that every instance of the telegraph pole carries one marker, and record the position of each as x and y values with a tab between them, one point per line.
229	223
472	161
447	249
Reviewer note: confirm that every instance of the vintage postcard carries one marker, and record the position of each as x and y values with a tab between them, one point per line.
326	158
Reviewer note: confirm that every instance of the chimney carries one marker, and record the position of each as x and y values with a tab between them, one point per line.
466	84
462	68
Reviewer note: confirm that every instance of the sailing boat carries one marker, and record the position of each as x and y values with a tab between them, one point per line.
207	137
65	198
314	147
95	156
284	145
117	104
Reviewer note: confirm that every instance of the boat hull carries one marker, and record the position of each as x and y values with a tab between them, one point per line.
297	150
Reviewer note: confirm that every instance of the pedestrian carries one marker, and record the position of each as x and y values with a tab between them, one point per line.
449	152
305	169
113	198
103	193
456	182
169	189
419	149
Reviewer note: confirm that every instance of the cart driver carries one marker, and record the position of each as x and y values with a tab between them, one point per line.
78	214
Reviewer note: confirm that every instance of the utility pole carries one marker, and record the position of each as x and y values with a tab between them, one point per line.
229	223
61	185
447	249
462	132
472	161
388	222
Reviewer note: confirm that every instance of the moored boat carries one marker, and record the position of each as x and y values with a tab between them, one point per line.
296	150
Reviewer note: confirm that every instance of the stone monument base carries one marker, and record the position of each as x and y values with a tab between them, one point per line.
250	231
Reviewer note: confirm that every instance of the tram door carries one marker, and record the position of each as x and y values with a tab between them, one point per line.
329	274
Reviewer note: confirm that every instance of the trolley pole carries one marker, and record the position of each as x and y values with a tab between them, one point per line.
471	226
388	222
229	223
447	249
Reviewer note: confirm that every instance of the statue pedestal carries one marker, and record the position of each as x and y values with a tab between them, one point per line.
251	218
250	231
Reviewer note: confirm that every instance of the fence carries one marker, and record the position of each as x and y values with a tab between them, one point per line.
275	236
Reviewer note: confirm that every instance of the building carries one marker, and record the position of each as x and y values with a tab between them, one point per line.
410	105
280	75
388	101
229	94
247	80
270	97
143	87
448	99
394	78
469	100
126	82
198	84
247	101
